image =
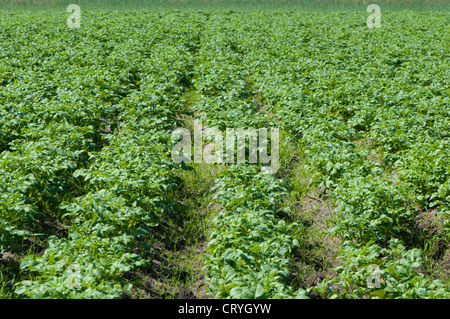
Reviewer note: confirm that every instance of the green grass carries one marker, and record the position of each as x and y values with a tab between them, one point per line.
180	242
8	277
309	207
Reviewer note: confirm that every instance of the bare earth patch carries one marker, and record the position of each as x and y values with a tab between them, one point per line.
316	257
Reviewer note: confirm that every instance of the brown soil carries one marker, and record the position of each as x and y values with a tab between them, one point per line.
438	262
316	258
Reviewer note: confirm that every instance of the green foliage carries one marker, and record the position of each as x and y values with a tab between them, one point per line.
92	150
371	115
393	267
249	248
85	141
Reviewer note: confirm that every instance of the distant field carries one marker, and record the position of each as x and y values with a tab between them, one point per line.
93	204
228	4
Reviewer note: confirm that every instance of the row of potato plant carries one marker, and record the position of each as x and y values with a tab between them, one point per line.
249	247
373	115
127	175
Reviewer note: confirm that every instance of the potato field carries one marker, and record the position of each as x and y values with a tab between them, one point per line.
120	176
